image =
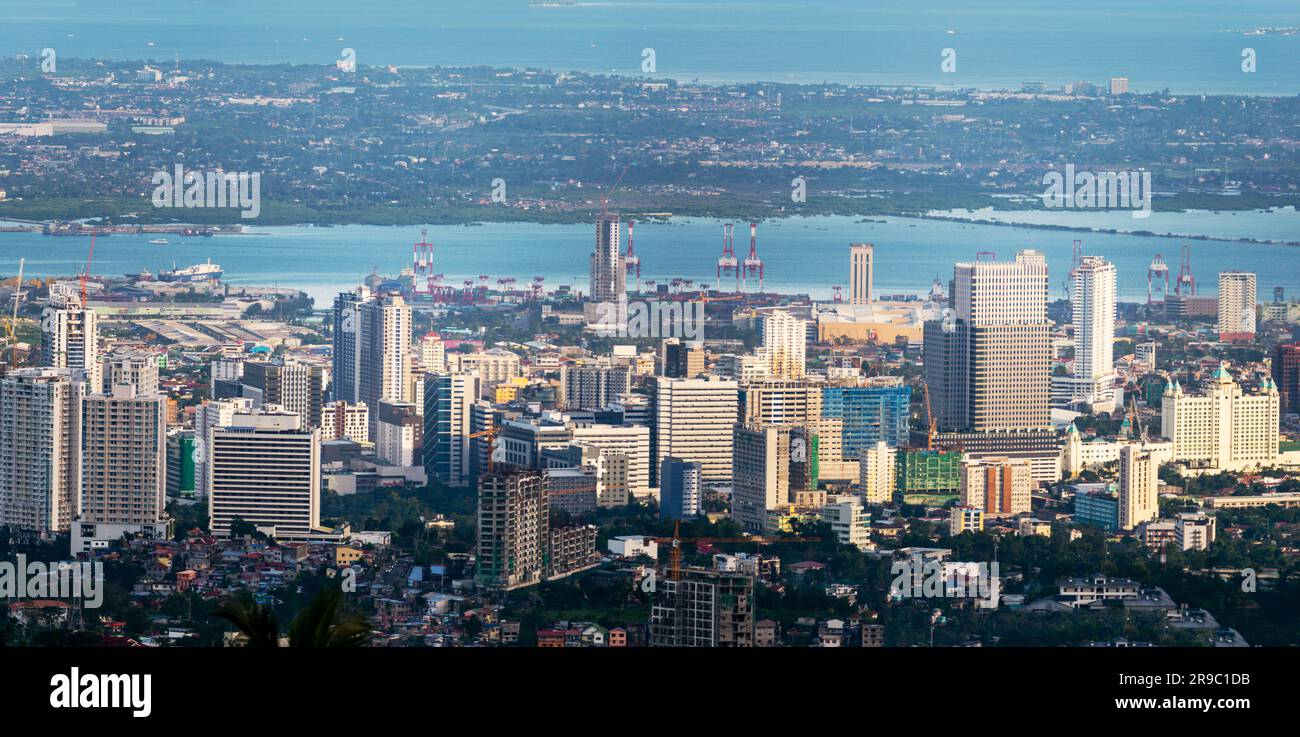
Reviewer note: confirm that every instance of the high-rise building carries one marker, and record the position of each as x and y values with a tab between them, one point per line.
594	385
513	530
1119	85
703	608
633	441
771	463
780	402
400	434
494	367
1139	486
1237	303
680	494
372	342
680	359
207	416
265	470
123	467
40	449
988	365
877	473
70	339
433	353
1091	384
139	369
296	386
873	410
448	449
693	421
997	486
848	519
341	420
1286	374
785	340
608	272
861	256
1223	427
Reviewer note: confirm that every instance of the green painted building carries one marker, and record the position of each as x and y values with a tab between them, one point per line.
931	472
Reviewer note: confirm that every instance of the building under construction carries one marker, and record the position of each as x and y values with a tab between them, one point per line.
699	607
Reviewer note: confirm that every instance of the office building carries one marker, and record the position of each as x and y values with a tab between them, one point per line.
1119	86
680	491
448	449
703	608
772	462
1237	304
693	421
988	364
292	385
1139	487
40	449
1223	427
861	256
265	471
874	410
608	272
123	467
513	530
1000	487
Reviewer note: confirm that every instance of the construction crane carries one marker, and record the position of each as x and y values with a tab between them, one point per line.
491	435
1138	430
604	198
675	557
11	323
931	427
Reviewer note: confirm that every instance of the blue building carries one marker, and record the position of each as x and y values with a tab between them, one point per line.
679	488
870	414
1096	505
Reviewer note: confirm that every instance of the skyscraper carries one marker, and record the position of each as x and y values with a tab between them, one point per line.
211	414
372	349
1092	382
70	339
1237	305
608	273
988	364
785	340
40	449
123	466
448	405
680	359
1139	485
265	470
997	486
692	421
861	257
873	410
767	472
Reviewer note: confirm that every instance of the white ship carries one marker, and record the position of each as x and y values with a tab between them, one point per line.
198	272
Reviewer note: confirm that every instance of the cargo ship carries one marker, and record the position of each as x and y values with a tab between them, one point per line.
198	272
